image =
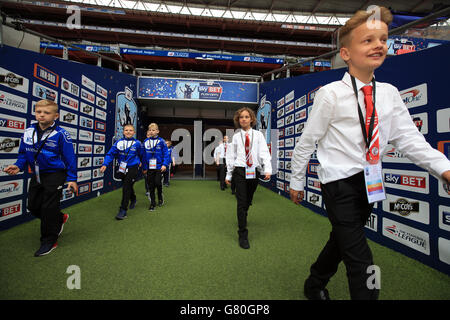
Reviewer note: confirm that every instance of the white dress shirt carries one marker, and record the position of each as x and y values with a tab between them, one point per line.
219	152
260	152
335	126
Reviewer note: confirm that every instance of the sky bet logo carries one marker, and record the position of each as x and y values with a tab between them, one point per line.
11	124
404	180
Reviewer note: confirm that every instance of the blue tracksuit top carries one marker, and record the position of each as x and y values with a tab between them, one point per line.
56	154
156	148
120	149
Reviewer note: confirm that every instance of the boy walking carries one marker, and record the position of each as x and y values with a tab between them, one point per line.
155	162
128	152
47	150
352	121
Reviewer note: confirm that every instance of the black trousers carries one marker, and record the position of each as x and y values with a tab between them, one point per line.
222	168
128	193
245	189
44	203
166	174
154	178
348	210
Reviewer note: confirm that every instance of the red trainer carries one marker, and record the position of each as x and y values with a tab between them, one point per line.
65	218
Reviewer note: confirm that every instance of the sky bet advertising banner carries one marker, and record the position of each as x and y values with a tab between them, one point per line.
415	217
200	90
93	103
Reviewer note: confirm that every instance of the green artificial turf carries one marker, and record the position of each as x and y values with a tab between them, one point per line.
188	249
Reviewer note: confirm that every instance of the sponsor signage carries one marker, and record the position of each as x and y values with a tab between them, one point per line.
9	145
11	188
13	80
12	124
444	250
372	222
85	135
444	218
443	120
88	83
416	96
10	209
415	181
84	175
69	102
97	185
314	198
70	87
406	235
12	102
46	75
407	208
42	92
68	117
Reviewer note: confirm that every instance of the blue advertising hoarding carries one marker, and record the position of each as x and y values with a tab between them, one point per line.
90	100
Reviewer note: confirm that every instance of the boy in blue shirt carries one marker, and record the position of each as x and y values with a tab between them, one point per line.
155	162
47	150
129	153
168	171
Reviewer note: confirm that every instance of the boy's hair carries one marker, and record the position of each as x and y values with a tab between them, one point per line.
129	125
238	113
153	125
47	103
360	17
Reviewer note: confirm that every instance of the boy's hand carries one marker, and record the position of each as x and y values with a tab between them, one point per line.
144	171
296	196
103	169
163	168
267	176
446	177
72	185
12	169
228	182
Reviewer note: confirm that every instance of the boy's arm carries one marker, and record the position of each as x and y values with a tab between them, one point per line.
265	156
144	157
112	153
315	128
405	136
21	159
231	157
68	157
166	159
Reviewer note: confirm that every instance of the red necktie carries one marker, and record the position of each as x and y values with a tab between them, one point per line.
248	155
373	154
225	149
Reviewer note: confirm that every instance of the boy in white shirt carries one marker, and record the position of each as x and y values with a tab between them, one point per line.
247	151
351	141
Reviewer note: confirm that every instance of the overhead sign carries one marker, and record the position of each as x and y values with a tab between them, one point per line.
190	89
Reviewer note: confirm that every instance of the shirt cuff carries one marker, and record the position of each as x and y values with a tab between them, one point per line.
296	185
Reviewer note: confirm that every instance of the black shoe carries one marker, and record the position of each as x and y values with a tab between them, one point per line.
317	294
161	201
45	248
243	243
152	207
